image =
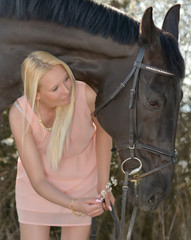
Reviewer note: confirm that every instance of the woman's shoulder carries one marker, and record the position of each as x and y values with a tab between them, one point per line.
15	112
21	102
16	104
20	108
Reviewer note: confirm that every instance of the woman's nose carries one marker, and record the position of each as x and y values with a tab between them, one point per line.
65	89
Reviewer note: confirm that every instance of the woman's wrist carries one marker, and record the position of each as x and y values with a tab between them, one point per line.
71	207
102	186
107	188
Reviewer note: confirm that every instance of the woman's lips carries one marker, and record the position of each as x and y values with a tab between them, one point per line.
66	98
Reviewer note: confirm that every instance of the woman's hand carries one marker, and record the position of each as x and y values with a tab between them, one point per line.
89	206
109	198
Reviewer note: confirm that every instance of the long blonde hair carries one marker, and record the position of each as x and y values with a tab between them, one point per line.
33	69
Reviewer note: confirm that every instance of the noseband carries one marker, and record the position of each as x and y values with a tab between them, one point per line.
134	143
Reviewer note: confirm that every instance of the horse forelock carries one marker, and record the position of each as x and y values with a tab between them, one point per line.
174	58
95	18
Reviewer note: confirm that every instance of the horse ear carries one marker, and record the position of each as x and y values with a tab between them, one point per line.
149	34
171	20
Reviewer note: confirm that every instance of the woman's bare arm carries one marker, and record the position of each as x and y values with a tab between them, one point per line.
103	149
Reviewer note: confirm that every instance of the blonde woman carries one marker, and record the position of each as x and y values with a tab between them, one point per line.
64	153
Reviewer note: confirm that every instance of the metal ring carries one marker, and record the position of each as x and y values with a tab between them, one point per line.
134	171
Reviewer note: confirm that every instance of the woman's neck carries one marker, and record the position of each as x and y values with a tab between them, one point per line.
46	115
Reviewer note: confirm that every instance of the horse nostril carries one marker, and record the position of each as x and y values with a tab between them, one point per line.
152	199
152	202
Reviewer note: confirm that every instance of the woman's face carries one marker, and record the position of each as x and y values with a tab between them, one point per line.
55	88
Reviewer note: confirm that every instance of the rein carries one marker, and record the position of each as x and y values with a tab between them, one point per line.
134	175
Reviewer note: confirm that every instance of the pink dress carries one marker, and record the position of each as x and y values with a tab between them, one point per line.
76	176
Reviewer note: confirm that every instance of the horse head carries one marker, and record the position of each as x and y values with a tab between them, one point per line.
145	127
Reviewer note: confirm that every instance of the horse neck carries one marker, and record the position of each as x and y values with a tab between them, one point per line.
100	62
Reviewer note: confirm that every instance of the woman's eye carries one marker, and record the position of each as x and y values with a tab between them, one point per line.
54	89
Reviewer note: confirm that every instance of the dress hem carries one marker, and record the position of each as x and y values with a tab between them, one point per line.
54	225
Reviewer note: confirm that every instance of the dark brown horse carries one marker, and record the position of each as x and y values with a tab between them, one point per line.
101	44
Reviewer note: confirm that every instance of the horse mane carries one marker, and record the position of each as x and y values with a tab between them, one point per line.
94	18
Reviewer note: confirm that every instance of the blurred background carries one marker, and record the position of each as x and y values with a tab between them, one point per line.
172	221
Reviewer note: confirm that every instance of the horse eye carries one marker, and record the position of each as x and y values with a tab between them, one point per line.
153	103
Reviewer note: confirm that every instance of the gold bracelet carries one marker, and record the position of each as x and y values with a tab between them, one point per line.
77	214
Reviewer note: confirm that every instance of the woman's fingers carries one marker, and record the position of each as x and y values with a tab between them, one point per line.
109	198
95	210
94	206
90	206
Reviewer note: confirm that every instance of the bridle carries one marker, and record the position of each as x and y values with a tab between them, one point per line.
133	143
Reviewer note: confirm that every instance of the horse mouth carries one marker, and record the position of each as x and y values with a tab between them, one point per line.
146	200
152	203
150	206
